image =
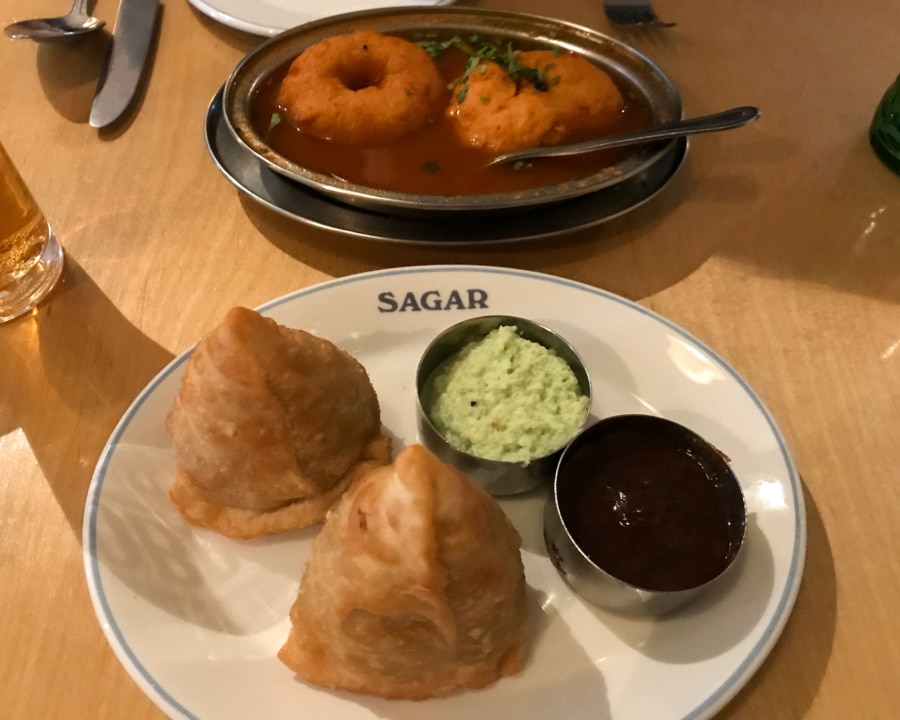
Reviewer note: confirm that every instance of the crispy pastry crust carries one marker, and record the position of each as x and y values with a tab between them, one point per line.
414	587
270	426
244	524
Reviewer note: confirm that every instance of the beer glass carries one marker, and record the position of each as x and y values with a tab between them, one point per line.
31	259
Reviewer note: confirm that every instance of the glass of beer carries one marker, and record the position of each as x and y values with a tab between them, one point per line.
31	259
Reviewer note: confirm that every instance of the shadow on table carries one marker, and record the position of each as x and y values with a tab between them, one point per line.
809	634
619	243
70	371
69	71
839	233
807	226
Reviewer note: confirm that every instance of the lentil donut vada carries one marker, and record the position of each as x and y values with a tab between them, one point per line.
499	114
363	89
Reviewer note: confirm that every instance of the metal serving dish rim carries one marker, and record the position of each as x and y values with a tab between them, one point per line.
499	477
617	57
599	585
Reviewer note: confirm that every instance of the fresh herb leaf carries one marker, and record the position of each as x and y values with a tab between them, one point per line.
473	62
431	167
274	120
436	47
481	50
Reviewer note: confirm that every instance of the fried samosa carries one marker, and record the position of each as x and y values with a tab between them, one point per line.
414	587
270	426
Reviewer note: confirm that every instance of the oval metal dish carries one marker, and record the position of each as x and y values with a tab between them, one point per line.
630	67
303	204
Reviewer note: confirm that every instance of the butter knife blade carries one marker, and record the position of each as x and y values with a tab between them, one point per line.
132	36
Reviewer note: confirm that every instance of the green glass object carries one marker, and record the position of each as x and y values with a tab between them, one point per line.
884	133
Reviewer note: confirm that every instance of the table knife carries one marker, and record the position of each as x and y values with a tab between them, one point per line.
132	36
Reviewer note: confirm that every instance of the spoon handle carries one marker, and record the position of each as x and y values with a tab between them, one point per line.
725	120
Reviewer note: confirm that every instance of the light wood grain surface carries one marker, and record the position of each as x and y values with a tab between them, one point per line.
778	245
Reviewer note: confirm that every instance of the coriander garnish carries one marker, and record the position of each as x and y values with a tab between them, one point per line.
481	50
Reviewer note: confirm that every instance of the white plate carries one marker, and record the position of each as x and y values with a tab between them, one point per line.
196	618
270	17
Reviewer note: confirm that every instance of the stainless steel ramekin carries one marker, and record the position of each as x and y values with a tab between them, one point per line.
497	476
587	577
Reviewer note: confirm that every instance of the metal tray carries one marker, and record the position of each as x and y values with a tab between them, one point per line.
631	67
249	174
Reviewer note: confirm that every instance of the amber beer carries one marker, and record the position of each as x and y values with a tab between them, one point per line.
30	257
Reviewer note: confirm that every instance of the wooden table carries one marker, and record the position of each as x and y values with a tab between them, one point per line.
778	245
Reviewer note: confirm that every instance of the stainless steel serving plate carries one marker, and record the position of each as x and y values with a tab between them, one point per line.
301	203
630	67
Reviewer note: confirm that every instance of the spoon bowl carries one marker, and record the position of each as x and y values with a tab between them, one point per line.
75	22
725	120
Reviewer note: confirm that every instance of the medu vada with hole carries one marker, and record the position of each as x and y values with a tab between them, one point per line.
499	112
362	89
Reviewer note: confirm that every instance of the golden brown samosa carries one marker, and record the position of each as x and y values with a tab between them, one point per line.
270	427
414	587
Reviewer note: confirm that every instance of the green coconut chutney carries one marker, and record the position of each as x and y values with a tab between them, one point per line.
505	398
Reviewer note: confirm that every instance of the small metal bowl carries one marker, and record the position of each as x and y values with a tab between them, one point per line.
645	515
497	476
634	71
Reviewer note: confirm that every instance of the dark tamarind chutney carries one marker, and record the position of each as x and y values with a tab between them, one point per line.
650	503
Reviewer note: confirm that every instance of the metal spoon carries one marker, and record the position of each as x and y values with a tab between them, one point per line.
75	22
725	120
